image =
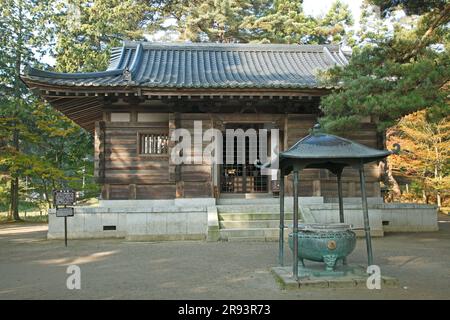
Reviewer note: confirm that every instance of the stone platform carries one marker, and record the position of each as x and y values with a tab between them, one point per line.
229	219
312	277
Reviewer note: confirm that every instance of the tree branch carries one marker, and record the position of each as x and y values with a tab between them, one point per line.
442	18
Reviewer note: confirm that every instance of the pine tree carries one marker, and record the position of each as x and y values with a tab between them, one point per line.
398	73
379	83
212	20
23	26
334	26
284	23
373	29
86	30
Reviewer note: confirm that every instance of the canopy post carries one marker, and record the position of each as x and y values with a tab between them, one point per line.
295	226
365	214
281	239
341	204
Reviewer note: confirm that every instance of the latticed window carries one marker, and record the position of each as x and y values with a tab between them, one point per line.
151	143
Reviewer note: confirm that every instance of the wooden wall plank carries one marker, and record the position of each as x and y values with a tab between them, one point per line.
129	174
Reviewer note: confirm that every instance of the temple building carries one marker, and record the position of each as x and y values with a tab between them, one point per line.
151	89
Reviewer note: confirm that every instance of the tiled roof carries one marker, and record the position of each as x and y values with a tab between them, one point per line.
206	65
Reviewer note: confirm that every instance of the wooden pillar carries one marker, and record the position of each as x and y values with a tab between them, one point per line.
179	193
351	189
105	191
316	188
133	116
100	157
376	189
175	169
99	150
132	191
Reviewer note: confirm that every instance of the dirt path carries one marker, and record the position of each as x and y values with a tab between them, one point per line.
32	267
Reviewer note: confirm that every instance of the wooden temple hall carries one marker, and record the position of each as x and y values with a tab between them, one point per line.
151	89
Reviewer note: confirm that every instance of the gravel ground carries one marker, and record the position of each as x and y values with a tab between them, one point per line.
32	267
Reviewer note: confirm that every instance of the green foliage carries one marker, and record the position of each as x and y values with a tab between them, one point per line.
333	28
373	29
23	26
38	146
384	81
285	23
269	21
210	20
87	29
410	7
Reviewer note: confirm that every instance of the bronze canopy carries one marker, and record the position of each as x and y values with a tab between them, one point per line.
325	151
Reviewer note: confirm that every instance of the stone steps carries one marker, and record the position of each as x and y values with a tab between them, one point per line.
249	239
238	224
250	234
250	222
263	208
256	239
254	201
244	216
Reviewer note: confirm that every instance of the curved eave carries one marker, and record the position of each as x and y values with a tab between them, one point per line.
367	158
46	76
84	104
49	75
288	164
99	83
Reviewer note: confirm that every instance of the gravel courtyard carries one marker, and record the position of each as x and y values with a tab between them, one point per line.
32	267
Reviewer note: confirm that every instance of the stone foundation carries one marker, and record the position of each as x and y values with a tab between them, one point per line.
354	278
150	221
383	217
197	219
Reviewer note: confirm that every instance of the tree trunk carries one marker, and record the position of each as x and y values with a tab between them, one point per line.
47	198
392	182
386	170
14	205
441	19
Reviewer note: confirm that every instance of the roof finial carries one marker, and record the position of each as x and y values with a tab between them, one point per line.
127	75
396	149
316	129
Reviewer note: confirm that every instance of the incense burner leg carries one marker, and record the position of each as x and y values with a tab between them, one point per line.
302	262
330	261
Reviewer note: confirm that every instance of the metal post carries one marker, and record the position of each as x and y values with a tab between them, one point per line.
295	226
341	205
341	200
281	239
365	214
65	231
